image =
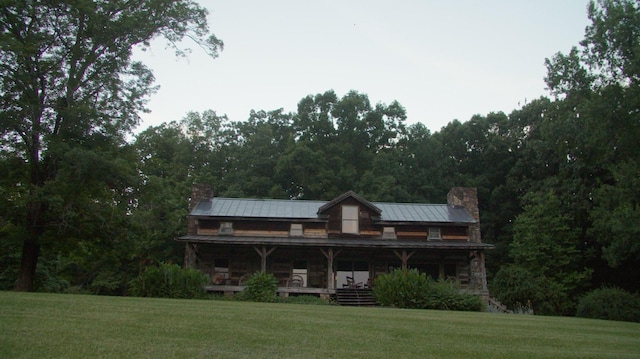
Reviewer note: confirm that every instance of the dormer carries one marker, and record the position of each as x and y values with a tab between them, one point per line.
348	213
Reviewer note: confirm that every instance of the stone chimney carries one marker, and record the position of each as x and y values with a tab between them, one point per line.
467	197
199	192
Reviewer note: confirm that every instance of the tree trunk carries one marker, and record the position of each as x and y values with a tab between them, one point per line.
30	251
31	245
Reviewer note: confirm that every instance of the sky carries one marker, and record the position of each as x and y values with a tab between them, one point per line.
441	60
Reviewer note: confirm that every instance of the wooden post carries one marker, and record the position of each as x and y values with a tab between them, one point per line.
190	255
330	255
404	257
264	253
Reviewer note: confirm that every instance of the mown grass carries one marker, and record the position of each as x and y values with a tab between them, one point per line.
77	326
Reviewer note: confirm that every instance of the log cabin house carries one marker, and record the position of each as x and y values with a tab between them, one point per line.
316	247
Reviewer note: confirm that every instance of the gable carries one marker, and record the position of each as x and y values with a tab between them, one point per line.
349	198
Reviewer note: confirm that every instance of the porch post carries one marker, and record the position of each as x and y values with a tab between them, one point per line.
264	253
190	254
404	257
330	255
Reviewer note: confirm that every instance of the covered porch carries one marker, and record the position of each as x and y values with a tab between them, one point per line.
319	266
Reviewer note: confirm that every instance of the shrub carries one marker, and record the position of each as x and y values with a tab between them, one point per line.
445	295
412	289
611	304
48	276
401	288
519	288
169	281
514	286
261	287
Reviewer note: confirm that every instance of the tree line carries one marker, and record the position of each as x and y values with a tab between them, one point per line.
86	209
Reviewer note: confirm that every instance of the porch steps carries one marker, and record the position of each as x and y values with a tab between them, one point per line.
355	297
496	307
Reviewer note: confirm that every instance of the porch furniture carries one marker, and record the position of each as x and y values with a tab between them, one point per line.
218	279
296	281
351	283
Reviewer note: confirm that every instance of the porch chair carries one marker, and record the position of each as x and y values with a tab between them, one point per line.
296	281
351	283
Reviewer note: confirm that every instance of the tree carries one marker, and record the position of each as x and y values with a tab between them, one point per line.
261	140
615	219
546	243
70	91
165	160
598	86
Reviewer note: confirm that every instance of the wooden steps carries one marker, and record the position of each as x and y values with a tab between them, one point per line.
496	307
355	297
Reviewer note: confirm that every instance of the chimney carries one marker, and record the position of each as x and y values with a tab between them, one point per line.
199	192
467	197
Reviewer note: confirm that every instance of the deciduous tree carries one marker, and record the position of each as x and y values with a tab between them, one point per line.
70	92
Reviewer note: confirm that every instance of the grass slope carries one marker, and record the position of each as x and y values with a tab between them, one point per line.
77	326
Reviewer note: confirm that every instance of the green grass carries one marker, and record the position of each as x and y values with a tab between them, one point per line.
76	326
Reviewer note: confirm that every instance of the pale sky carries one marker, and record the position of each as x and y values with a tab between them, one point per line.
442	60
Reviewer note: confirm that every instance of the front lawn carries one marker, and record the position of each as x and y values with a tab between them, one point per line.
36	325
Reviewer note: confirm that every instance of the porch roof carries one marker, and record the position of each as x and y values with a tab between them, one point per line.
336	242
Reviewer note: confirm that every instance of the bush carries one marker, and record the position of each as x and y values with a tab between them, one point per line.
412	289
516	287
261	287
610	304
169	281
520	289
445	295
401	288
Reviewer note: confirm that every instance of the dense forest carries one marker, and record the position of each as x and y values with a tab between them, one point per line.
87	204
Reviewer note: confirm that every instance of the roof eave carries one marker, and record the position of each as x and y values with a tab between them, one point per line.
319	219
336	242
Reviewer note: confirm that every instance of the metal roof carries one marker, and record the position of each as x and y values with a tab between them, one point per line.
415	212
337	242
302	209
256	208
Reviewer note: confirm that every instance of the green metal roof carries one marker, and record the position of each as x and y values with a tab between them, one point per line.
301	209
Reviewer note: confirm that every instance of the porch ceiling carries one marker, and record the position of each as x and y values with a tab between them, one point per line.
335	242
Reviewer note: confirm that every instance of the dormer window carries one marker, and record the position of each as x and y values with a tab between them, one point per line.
434	234
350	219
296	230
389	233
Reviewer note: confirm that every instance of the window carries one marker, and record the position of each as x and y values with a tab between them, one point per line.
350	219
389	233
296	230
226	228
434	233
